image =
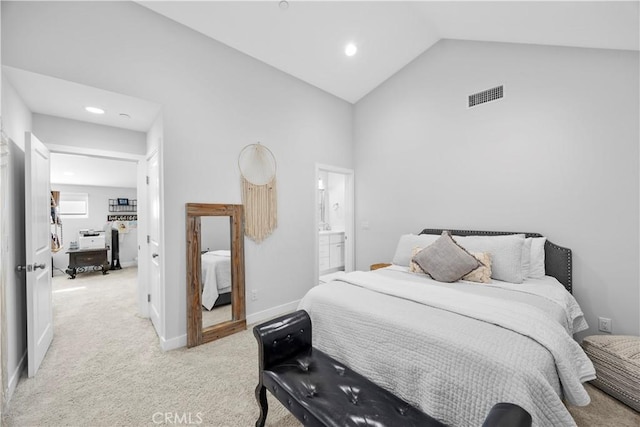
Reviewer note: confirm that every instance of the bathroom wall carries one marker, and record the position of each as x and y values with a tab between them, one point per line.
335	200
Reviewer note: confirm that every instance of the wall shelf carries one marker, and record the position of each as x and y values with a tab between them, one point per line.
123	205
56	223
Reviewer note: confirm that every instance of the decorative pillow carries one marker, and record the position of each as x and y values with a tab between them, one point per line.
536	269
445	260
407	242
413	266
506	254
482	274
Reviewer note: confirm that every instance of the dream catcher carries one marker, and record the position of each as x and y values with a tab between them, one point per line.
258	169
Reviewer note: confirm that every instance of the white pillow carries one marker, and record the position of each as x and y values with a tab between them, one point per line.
506	254
536	268
406	244
526	257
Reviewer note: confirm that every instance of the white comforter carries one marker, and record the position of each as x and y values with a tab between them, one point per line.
452	353
216	276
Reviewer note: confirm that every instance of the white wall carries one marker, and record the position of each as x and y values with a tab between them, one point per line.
98	211
215	233
74	133
215	101
16	119
558	155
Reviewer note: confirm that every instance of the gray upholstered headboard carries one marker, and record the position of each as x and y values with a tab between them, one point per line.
557	260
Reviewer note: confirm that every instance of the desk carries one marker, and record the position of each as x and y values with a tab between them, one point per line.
82	260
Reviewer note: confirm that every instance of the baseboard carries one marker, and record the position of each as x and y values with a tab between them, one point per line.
272	312
173	343
181	341
15	377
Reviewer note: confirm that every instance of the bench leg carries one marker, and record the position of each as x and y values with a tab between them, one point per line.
261	397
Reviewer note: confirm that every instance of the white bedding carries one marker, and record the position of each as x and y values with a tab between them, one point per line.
216	276
455	350
546	287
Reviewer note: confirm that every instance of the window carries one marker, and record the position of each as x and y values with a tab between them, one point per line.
74	205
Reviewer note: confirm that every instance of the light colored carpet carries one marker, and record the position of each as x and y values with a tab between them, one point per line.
216	315
105	367
603	411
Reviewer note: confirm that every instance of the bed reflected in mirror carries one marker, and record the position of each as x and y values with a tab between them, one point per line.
215	271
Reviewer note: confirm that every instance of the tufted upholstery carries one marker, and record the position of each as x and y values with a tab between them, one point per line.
319	391
323	392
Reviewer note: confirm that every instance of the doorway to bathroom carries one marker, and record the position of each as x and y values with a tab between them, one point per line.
334	221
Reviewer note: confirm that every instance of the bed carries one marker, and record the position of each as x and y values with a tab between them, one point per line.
455	349
216	278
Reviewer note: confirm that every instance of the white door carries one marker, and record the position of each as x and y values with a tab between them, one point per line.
154	240
38	247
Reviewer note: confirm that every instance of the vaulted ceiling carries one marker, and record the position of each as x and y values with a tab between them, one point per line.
307	39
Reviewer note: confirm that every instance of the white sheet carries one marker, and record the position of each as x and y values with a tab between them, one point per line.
546	287
452	366
216	276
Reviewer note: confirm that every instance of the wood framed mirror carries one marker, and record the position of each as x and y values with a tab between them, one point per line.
215	240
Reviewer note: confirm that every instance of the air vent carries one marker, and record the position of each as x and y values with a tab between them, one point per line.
486	96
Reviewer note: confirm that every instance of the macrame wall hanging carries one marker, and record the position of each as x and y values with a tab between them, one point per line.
258	169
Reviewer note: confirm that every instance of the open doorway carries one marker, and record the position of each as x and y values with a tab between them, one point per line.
96	215
113	185
122	131
334	209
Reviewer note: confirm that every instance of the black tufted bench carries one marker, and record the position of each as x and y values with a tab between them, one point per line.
321	392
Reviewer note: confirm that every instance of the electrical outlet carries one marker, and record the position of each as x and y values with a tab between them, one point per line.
254	295
604	324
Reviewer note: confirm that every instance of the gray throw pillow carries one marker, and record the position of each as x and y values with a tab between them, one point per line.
445	260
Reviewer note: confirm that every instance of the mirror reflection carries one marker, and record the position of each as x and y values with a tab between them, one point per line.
216	270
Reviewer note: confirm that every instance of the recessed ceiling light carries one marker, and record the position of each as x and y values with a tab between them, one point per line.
94	110
68	173
350	49
284	5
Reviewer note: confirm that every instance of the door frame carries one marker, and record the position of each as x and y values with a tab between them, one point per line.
349	214
4	264
140	159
